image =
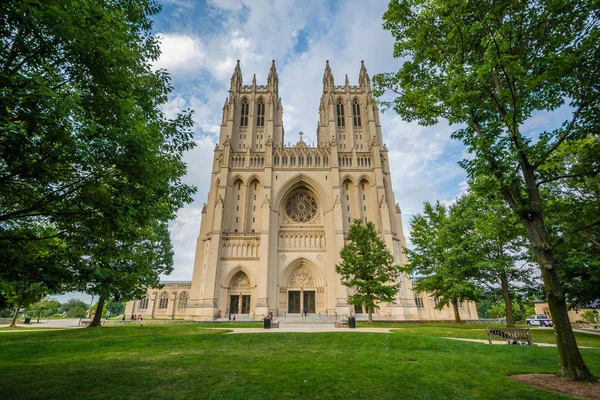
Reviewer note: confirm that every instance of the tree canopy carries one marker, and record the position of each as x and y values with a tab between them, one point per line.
368	268
441	260
491	66
90	167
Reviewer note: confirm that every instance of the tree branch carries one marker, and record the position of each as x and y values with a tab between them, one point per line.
583	228
556	178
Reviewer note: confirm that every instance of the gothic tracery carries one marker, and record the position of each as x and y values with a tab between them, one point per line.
301	206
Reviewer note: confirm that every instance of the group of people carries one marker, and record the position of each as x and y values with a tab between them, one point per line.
231	316
133	317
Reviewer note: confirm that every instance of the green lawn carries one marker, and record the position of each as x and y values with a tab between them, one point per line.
477	331
187	361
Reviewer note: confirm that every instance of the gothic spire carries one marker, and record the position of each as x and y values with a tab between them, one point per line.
363	77
273	78
327	77
236	78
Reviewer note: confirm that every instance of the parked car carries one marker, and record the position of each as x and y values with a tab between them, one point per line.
540	320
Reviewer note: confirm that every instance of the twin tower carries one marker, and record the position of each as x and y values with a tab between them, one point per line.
277	216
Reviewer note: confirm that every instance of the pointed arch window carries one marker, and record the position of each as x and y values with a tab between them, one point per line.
356	113
340	113
245	109
183	300
144	303
260	113
419	302
164	301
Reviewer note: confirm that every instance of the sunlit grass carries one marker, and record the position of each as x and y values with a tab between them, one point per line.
185	361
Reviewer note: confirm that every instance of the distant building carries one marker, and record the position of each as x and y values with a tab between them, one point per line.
541	307
277	216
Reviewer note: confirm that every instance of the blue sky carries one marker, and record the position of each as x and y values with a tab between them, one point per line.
200	43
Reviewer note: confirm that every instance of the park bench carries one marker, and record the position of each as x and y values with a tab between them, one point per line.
511	335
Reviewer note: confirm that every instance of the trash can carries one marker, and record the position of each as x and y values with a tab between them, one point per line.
267	323
27	320
351	322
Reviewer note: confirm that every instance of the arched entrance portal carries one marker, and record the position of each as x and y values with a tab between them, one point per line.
301	289
239	294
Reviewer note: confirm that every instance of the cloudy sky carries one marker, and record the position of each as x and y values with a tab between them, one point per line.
201	41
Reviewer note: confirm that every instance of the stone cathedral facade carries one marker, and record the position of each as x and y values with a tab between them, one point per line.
277	216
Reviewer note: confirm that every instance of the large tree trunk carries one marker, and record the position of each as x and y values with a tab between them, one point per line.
456	313
370	312
13	322
97	321
572	365
510	320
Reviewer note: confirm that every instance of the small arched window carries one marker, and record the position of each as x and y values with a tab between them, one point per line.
183	300
340	113
245	109
356	113
164	301
260	114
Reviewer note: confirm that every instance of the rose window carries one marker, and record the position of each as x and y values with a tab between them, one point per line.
301	207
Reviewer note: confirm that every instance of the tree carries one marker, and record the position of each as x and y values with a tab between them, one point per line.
115	307
573	200
440	260
87	157
22	294
94	311
74	308
368	267
498	243
489	66
46	307
123	267
590	317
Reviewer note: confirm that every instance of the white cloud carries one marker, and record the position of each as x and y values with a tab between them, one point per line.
184	232
180	53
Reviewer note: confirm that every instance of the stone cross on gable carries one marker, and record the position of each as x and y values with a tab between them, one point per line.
300	133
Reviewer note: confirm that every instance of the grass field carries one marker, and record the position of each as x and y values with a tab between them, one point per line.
477	331
188	361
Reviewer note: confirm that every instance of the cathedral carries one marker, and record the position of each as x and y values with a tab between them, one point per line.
277	216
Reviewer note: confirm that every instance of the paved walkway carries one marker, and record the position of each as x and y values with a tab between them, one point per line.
485	341
588	331
305	328
43	325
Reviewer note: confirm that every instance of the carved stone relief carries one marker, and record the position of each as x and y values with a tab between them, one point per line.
300	278
240	280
